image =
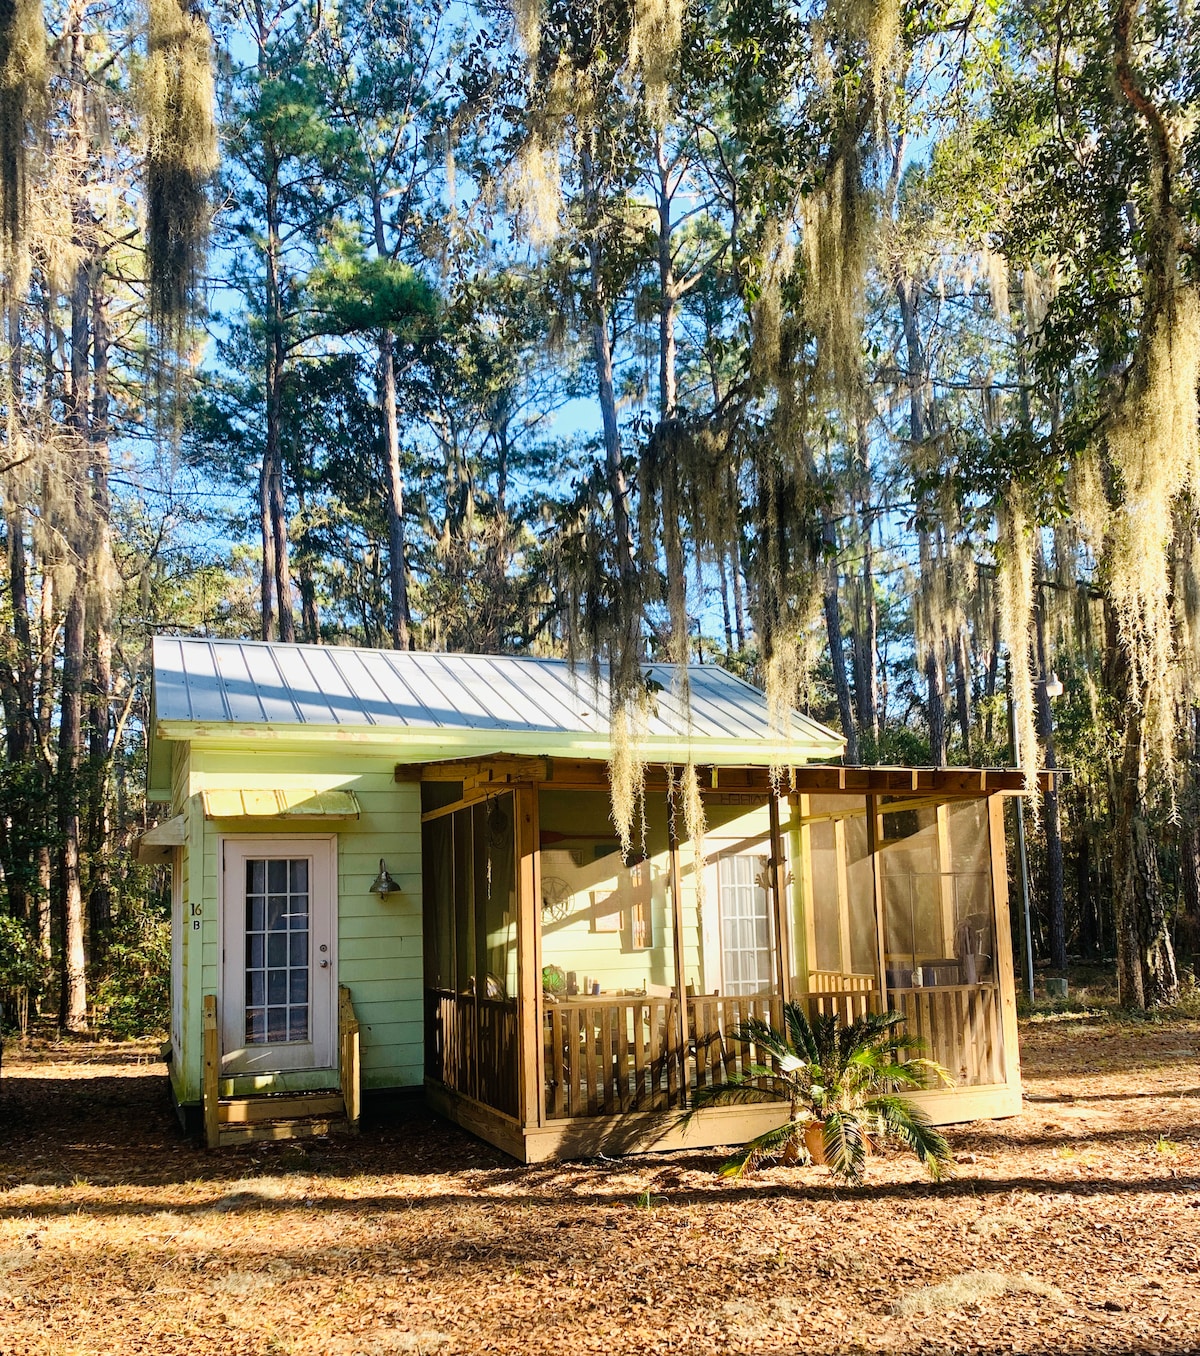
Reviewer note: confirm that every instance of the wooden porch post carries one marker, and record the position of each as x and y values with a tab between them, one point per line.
677	925
212	1073
779	887
531	1054
946	882
807	895
873	837
1004	952
841	857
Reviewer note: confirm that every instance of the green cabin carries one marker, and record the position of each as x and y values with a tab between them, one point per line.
398	870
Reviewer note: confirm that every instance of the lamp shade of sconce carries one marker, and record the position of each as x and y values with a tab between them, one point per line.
383	884
1054	687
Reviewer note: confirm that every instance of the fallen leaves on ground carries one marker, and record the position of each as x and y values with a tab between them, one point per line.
1074	1227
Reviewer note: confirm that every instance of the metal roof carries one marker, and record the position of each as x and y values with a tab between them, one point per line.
255	683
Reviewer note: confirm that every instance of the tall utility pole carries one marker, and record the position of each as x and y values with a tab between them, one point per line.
1022	856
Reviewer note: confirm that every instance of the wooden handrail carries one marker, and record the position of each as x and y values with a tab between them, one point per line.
211	1090
348	1035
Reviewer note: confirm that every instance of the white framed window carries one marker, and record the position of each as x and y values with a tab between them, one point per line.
747	935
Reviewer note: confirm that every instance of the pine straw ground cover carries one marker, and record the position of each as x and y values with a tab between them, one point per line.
1073	1228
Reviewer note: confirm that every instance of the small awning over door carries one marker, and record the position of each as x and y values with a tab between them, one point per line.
157	845
297	803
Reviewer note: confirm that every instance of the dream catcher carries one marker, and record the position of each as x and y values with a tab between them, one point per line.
556	899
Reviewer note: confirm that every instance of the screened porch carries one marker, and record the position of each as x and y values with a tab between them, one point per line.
576	997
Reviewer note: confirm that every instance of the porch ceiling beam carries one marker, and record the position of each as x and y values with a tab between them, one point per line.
859	781
503	768
884	781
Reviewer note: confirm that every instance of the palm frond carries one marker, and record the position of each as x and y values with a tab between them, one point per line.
845	1147
767	1071
930	1070
736	1092
770	1144
904	1122
827	1040
887	1072
800	1033
754	1031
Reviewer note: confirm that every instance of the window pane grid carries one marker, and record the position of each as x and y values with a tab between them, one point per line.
745	926
277	951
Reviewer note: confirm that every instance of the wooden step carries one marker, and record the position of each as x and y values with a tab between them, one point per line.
279	1106
296	1127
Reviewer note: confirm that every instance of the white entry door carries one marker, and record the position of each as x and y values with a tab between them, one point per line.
279	961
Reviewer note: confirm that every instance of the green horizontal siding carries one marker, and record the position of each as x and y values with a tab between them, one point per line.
379	941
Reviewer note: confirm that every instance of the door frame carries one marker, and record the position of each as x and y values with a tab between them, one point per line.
281	845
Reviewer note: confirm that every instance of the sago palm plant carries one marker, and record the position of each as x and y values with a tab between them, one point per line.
843	1083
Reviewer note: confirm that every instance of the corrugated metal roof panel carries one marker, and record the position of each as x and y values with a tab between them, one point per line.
224	682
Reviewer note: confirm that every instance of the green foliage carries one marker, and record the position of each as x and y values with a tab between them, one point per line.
352	293
21	965
844	1079
133	995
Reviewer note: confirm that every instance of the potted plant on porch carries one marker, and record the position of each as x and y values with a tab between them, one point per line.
844	1085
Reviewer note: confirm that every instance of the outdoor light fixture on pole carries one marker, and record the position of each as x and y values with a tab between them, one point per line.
1054	688
1023	864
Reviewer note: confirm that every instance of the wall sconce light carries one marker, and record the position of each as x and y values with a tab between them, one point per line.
1054	687
383	884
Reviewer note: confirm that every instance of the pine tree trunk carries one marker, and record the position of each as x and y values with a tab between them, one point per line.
20	719
991	676
99	819
45	910
936	703
276	357
629	619
1055	897
310	616
726	616
398	609
266	587
735	566
1146	973
962	690
1189	886
667	289
865	636
1089	929
73	994
599	319
921	421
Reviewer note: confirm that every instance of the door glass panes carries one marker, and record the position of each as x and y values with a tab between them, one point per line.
747	951
277	950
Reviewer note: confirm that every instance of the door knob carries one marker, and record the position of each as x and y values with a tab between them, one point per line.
325	965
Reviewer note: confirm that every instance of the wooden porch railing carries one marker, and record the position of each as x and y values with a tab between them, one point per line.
211	1077
612	1056
472	1046
223	1117
833	981
712	1023
960	1025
